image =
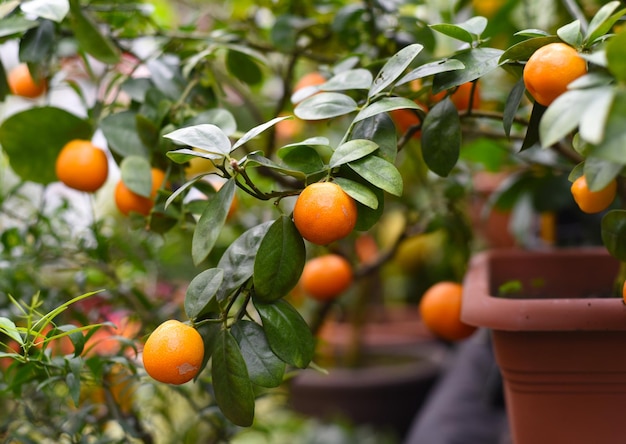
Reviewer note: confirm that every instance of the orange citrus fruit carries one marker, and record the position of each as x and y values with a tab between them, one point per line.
487	8
326	277
550	69
82	166
440	309
314	78
405	118
173	353
624	292
461	96
592	201
128	201
324	213
21	82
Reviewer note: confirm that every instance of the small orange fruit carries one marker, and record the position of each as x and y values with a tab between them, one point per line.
624	292
173	353
21	82
550	69
127	200
326	277
82	166
592	201
461	96
324	213
405	118
440	309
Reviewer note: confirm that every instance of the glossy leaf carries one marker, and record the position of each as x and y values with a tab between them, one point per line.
238	259
441	138
33	138
231	384
54	10
379	173
325	105
289	336
279	261
571	33
394	68
512	104
265	369
385	105
477	62
37	43
350	79
599	172
8	327
454	31
211	222
252	133
613	146
135	172
616	56
532	132
380	130
595	115
352	150
613	229
430	69
206	136
243	67
563	115
603	21
201	292
358	192
302	158
120	130
523	50
89	37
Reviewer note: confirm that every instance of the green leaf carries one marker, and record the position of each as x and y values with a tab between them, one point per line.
532	132
253	132
379	173
358	192
136	175
441	137
571	33
120	131
231	384
563	115
380	130
243	67
599	172
201	291
613	229
289	336
603	21
15	24
613	146
385	105
524	49
256	159
350	79
394	68
352	150
10	329
222	118
238	259
302	158
206	136
594	117
279	261
477	62
37	43
616	56
466	32
33	138
211	222
512	104
7	7
324	106
73	384
54	10
430	69
89	37
265	369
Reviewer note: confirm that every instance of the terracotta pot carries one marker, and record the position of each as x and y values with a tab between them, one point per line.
561	349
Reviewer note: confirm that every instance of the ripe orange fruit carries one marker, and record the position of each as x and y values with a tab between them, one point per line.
487	8
127	200
461	96
326	277
624	292
550	69
592	201
82	166
405	118
21	82
440	309
173	353
311	79
324	213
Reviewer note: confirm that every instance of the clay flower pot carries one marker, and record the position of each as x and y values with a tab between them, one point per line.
561	348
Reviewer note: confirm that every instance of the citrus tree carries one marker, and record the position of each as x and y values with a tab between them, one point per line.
196	125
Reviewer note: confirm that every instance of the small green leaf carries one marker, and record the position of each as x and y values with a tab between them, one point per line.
257	159
238	259
532	132
201	291
16	24
211	222
265	369
379	173
279	261
385	105
613	145
603	21
454	31
477	61
441	137
430	69
613	229
206	136
563	115
571	33
352	150
243	67
599	172
594	117
219	117
253	132
289	336
325	105
89	37
73	384
10	329
616	56
358	192
523	50
394	68
512	104
37	43
350	79
380	130
231	384
120	131
136	175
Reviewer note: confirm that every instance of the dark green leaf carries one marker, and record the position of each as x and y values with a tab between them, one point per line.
603	21
243	67
289	336
325	105
256	159
358	192
209	331
380	130
231	383
238	259
523	50
73	384
385	105
352	150
614	233
302	158
379	173
441	137
477	62
33	138
512	104
37	43
264	367
616	56
206	136
120	131
454	31
430	69
394	68
201	291
89	37
279	261
136	175
211	222
532	132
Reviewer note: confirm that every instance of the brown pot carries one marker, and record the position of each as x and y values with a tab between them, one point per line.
561	349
